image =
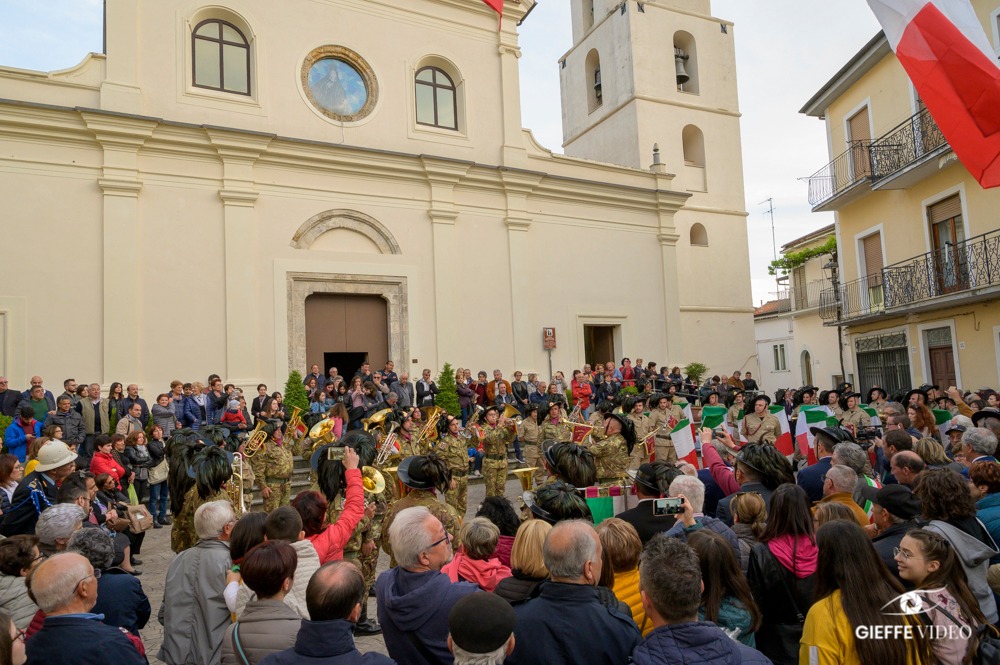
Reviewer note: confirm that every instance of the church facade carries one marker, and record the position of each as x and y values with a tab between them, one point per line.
246	190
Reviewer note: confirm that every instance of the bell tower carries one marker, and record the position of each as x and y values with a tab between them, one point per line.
663	72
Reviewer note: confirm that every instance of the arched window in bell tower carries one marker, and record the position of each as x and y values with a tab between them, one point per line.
595	87
686	62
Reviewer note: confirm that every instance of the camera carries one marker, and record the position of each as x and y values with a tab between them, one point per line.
669	506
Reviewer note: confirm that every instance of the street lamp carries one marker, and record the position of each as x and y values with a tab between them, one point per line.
832	270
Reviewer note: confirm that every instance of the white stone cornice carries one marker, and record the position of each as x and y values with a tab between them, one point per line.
239	197
517	223
442	215
235	145
669	239
120	187
120	131
445	171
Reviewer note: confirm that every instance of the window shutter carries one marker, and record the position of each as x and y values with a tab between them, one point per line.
950	208
860	129
873	255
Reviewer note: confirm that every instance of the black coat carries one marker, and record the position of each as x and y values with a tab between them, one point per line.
517	588
645	522
782	598
33	495
811	478
9	399
887	541
121	600
723	512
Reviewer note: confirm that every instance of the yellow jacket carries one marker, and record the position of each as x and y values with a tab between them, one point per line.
627	589
828	637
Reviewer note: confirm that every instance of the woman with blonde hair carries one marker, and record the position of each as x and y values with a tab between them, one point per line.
622	545
32	459
831	512
749	519
526	562
933	455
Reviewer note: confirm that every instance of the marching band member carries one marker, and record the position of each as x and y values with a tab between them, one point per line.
664	413
634	407
611	454
760	425
273	463
454	450
529	432
553	428
570	463
497	435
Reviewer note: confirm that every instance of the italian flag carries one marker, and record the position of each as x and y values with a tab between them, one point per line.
605	502
738	434
942	419
873	414
809	418
686	408
784	441
682	437
871	482
947	55
713	417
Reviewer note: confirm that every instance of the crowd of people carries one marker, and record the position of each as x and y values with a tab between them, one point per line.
875	542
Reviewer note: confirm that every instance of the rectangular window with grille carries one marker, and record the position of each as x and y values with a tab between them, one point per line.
883	361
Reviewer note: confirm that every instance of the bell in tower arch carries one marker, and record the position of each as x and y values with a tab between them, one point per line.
679	58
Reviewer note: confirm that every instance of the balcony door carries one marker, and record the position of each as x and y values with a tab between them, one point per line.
860	138
949	263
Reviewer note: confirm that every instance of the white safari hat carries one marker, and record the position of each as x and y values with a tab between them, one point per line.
53	455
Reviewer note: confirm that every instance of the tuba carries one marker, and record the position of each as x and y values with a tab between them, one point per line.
373	481
377	420
524	475
234	488
322	432
256	440
295	423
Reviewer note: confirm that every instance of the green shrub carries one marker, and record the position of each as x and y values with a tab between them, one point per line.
295	393
447	397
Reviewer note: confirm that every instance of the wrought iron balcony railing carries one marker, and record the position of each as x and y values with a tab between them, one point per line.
955	268
904	144
845	171
808	296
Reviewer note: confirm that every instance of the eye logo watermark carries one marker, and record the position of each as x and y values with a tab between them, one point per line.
912	604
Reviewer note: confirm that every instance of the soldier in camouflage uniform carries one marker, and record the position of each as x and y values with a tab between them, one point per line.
423	474
530	434
611	454
455	452
664	411
497	435
553	429
212	471
759	424
272	466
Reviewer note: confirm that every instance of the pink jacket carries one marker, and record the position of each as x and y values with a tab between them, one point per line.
330	542
721	474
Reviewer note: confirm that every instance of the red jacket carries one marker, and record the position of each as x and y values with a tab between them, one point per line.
330	542
106	463
581	394
480	391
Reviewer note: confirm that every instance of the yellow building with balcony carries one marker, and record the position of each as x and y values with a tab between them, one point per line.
918	238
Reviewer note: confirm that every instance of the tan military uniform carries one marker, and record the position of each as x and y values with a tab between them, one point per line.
529	432
856	417
449	517
455	454
272	467
611	458
555	431
761	430
642	426
664	446
182	535
835	410
495	442
733	416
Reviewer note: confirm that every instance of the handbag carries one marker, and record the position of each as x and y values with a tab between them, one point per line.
158	473
139	518
988	645
133	498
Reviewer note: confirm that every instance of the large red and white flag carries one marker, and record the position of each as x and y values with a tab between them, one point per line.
944	50
497	6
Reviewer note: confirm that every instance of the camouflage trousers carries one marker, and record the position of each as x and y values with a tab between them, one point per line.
458	497
281	493
533	457
495	475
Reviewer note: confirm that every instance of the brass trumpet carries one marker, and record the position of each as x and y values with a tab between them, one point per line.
511	413
256	440
525	475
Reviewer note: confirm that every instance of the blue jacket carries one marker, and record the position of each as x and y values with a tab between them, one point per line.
81	640
325	643
712	524
988	512
417	605
17	442
694	643
566	624
122	601
192	413
811	478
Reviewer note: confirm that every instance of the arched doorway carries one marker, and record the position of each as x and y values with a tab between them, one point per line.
807	369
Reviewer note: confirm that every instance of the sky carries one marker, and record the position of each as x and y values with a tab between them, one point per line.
785	50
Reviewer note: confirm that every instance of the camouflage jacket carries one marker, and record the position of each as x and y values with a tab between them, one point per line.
454	453
272	461
182	535
555	431
496	439
610	457
449	517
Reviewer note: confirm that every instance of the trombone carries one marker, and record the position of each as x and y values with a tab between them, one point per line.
234	487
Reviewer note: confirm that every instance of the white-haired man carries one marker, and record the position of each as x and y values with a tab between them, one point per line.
65	588
414	598
692	491
194	615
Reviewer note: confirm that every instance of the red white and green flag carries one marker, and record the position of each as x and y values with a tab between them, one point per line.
713	417
942	419
784	442
873	414
803	437
682	437
870	505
